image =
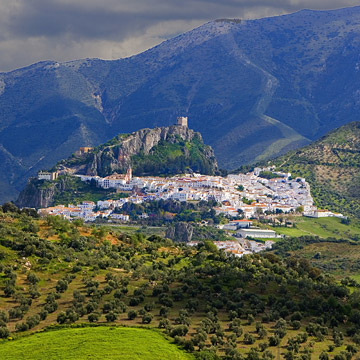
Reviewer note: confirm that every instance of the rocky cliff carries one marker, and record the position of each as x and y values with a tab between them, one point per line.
41	194
160	151
180	232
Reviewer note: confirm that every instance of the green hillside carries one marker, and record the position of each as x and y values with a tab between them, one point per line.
173	158
329	227
332	167
338	257
93	343
212	305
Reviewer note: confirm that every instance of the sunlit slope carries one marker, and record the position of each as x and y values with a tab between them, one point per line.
93	343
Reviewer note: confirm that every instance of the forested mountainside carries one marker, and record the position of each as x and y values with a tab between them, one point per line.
254	89
332	167
161	151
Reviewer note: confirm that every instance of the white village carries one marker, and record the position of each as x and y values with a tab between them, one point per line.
241	198
248	195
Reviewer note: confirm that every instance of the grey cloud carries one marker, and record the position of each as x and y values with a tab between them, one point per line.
56	18
33	30
51	20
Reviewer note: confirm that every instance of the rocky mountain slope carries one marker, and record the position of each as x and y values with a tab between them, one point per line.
332	167
160	151
254	89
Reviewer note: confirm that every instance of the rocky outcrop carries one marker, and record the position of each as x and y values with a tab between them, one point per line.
180	232
139	148
33	196
40	193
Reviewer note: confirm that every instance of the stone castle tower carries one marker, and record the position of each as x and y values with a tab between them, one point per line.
182	121
128	175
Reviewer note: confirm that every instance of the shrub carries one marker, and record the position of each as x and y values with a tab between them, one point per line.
295	324
9	290
118	294
134	301
61	318
4	316
164	324
51	307
93	317
15	313
164	311
61	286
147	318
32	278
274	340
34	292
249	338
43	314
91	306
111	316
149	306
4	332
180	330
32	321
132	314
21	327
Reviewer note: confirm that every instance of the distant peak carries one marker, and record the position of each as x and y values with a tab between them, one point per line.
235	21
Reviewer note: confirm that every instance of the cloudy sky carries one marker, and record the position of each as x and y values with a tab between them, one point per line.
34	30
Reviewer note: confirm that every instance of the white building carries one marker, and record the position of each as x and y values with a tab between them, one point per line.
120	217
323	213
45	175
256	233
230	247
181	196
237	224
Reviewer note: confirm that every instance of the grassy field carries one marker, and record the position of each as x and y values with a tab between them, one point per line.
93	343
340	258
323	227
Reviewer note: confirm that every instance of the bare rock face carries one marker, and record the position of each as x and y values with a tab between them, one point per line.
180	232
41	194
118	154
32	196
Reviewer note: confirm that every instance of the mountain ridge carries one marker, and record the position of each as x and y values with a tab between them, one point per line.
254	89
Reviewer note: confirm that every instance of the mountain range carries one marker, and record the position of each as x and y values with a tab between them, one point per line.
254	89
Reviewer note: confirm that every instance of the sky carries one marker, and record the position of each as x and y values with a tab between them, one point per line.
61	30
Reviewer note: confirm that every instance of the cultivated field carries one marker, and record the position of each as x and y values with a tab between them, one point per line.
101	342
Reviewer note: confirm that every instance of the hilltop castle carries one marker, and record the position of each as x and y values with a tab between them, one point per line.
182	121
